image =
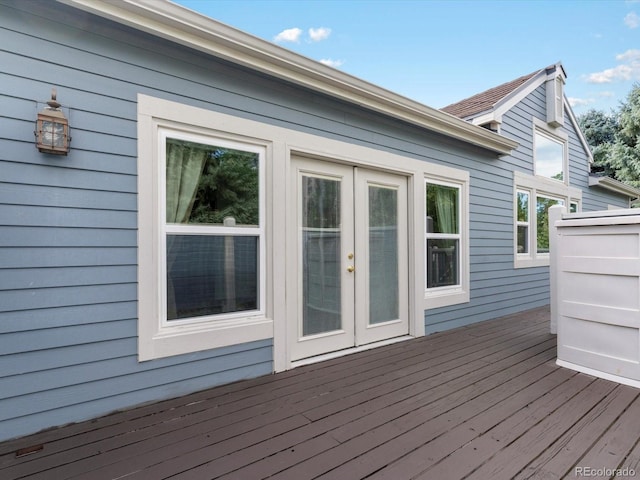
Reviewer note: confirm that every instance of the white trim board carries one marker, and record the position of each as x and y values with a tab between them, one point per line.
185	27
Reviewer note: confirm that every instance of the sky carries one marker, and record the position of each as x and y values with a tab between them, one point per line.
439	52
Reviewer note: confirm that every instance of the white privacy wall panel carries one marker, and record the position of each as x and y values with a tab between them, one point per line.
598	295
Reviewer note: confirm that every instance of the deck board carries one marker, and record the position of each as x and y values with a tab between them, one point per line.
477	402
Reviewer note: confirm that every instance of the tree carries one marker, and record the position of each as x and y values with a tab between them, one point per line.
615	139
599	129
625	151
228	187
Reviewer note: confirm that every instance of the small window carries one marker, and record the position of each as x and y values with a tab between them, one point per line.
522	221
443	235
549	157
573	207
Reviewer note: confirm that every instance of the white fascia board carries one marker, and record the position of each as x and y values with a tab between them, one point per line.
578	130
483	118
614	185
519	94
186	27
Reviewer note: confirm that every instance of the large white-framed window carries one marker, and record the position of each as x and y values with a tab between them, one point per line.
533	196
550	153
212	238
446	241
202	234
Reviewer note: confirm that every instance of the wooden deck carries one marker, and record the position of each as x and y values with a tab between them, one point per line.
479	402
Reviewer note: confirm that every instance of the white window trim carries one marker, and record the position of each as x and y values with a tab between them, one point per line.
537	187
157	337
541	128
455	294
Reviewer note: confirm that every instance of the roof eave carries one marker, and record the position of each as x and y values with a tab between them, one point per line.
181	25
614	185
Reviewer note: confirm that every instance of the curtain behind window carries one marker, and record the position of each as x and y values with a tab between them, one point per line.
184	169
185	163
447	209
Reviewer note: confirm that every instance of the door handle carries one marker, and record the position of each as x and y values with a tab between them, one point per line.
351	268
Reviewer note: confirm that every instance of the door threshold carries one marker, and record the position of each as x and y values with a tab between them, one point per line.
349	351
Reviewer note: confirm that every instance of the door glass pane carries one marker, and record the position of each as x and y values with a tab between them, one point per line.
321	248
208	275
383	254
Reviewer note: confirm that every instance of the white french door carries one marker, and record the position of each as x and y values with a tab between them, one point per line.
351	257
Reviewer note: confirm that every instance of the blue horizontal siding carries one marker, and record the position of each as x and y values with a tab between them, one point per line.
89	399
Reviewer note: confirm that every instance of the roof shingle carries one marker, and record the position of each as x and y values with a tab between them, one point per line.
485	100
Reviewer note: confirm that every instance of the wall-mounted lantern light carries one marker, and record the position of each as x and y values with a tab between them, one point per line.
52	129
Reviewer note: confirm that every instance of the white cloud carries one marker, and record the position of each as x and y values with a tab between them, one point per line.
332	63
318	34
632	20
607	94
628	70
288	35
579	102
629	56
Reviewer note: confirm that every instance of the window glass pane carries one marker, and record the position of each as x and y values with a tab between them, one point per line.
573	208
383	254
442	209
442	262
542	222
523	239
523	207
208	275
206	184
549	157
321	240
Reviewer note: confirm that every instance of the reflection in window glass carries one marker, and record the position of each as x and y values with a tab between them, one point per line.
442	261
209	275
522	207
206	184
321	245
384	302
549	157
542	221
